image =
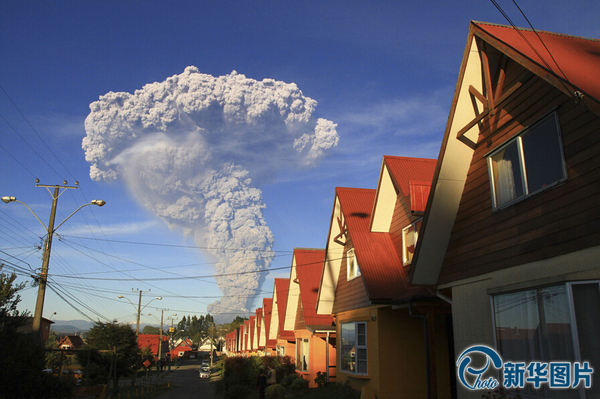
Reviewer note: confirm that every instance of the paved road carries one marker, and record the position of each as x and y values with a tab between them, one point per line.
187	384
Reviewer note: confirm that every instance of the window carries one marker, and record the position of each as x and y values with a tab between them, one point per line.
280	350
302	354
353	270
527	164
353	354
67	347
556	323
409	240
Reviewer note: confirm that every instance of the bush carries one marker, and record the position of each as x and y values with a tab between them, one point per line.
288	380
321	379
299	385
275	391
237	392
345	391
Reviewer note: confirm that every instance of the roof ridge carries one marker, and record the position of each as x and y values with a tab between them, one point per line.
309	249
409	158
592	39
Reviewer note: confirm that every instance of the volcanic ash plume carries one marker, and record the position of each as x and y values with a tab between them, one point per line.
195	150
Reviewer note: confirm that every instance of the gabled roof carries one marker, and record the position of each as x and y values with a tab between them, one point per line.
280	297
267	316
309	265
578	58
409	177
403	170
258	330
381	269
252	325
74	340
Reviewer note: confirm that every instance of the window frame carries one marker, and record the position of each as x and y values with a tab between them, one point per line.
574	327
405	260
518	140
357	347
302	348
355	266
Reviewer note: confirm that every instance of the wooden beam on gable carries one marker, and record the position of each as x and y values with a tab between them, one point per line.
342	234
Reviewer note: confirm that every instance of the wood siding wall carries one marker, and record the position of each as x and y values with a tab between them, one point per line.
402	218
299	324
560	220
349	295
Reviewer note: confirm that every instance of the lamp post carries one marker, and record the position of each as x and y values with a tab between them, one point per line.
139	308
39	306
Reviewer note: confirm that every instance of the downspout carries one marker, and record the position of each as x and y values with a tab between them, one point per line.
327	355
425	331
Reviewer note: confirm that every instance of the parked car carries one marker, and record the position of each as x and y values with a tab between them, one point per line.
204	373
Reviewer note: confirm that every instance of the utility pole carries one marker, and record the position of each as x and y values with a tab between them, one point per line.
137	329
139	308
43	278
162	313
39	304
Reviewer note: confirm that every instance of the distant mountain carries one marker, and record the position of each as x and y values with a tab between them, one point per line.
74	326
71	326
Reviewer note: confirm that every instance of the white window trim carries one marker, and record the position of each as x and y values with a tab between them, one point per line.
518	139
356	347
300	343
405	260
356	268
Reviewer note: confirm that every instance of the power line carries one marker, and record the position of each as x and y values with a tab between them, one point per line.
184	246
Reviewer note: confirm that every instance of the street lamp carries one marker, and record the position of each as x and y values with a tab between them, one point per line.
139	308
39	306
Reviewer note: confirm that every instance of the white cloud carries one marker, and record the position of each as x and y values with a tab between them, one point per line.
196	149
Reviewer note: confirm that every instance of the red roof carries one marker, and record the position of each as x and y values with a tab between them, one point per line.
268	311
381	269
251	336
281	288
309	265
246	334
578	57
403	170
151	341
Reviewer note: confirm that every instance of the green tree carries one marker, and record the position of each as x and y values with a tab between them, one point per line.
52	358
151	330
109	336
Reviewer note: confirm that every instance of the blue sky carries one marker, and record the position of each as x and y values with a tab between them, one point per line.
383	71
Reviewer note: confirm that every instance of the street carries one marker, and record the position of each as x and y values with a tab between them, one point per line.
187	384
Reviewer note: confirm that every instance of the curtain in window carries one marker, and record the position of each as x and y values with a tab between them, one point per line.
505	183
535	325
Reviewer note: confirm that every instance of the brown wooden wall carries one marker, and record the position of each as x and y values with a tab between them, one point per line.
560	220
402	218
349	295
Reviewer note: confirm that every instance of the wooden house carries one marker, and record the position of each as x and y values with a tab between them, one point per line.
315	350
268	343
393	339
286	345
511	232
153	342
